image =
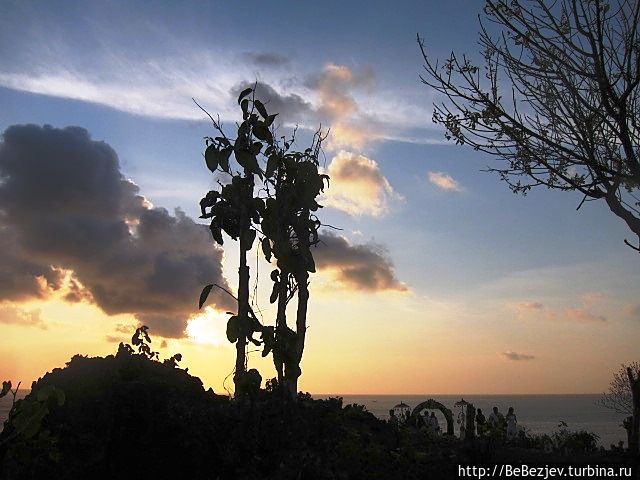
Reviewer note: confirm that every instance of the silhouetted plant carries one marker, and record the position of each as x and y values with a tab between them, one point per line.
290	229
557	98
142	340
283	215
173	361
624	397
233	209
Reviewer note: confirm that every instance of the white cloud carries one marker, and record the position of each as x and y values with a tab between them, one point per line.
357	186
444	181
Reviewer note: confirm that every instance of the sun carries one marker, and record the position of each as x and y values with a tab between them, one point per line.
208	327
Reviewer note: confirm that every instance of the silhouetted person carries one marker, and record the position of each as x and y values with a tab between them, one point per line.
422	420
462	421
433	422
481	421
496	419
393	420
512	424
627	424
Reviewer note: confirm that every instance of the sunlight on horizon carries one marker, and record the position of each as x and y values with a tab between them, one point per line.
208	327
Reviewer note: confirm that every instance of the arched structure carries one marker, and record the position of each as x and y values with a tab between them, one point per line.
431	404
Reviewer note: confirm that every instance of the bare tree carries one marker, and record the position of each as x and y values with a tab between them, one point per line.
624	397
557	98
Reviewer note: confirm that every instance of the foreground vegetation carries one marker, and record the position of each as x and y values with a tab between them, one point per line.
130	415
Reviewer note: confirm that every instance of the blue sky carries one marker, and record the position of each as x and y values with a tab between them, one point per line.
475	257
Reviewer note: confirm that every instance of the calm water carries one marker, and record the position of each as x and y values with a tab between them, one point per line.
537	413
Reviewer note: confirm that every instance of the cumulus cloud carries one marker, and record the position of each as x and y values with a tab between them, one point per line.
66	207
335	86
444	181
11	315
514	356
358	186
365	267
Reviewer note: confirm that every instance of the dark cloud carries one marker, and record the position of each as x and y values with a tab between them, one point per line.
509	355
266	59
292	107
64	205
359	267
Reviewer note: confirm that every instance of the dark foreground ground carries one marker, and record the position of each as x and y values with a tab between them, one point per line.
126	416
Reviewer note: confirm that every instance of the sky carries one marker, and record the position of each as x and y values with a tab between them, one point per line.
437	278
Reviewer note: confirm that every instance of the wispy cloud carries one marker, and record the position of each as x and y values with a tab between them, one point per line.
536	309
340	97
444	181
594	298
266	59
11	315
633	310
516	357
582	315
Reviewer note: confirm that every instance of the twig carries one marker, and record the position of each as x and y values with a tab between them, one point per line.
637	249
236	299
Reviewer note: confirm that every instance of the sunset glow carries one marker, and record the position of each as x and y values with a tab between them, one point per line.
432	277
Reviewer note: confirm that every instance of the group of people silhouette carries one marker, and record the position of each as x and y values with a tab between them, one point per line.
430	422
497	421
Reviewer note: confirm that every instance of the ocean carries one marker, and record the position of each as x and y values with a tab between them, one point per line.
536	413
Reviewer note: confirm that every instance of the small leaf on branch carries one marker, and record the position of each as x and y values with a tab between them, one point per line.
244	93
203	295
260	107
211	155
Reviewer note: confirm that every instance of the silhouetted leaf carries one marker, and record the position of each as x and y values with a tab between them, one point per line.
216	233
272	165
266	248
211	155
248	161
244	93
245	108
269	120
249	237
311	264
233	329
258	205
203	295
223	158
225	141
255	148
261	110
274	293
261	132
